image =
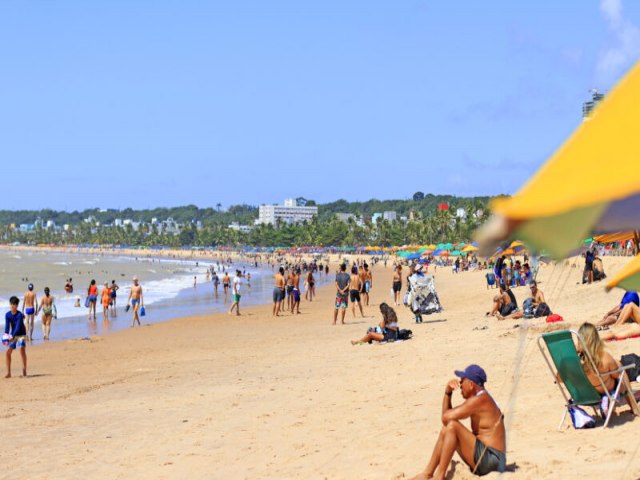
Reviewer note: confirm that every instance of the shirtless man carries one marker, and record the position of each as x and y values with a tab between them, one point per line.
501	302
311	289
536	294
368	283
29	306
114	288
483	447
363	281
136	299
295	305
278	291
226	282
396	284
354	291
290	281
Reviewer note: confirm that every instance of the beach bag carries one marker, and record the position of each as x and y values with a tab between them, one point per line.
86	302
580	418
631	359
554	317
527	308
404	334
543	310
142	312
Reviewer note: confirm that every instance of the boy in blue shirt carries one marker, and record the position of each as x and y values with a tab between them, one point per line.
14	327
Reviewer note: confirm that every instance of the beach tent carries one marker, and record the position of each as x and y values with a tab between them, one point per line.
589	185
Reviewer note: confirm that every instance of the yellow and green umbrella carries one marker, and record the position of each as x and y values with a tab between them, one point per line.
628	278
589	185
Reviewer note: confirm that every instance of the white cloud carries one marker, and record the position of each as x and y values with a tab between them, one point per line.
624	47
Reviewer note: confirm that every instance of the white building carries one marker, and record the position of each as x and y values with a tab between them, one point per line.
375	217
240	228
390	216
290	212
461	213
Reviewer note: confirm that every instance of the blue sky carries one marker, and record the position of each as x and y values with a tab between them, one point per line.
164	103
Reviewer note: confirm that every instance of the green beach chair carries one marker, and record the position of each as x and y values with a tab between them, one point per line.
575	386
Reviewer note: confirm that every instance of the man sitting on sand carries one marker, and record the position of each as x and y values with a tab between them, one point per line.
483	447
504	304
613	315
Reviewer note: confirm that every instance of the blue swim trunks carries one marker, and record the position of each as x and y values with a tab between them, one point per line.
29	311
18	342
135	302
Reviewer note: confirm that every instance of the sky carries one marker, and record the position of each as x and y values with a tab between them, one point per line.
156	103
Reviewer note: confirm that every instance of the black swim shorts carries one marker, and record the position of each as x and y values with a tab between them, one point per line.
488	459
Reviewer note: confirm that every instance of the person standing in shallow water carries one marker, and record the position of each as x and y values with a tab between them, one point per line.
136	299
47	307
30	305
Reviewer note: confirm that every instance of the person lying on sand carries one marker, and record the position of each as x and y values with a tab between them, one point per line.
386	331
483	447
614	314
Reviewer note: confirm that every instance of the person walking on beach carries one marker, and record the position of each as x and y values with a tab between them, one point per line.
216	282
295	305
105	297
114	288
396	284
368	283
278	291
311	289
48	310
483	447
136	299
354	291
226	282
343	282
92	295
289	290
237	282
30	305
17	332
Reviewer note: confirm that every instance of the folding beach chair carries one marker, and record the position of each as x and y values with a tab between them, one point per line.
575	386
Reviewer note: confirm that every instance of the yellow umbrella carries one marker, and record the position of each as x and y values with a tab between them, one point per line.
431	247
628	278
589	185
470	248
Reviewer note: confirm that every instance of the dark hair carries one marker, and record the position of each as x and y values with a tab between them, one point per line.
93	282
388	314
343	267
47	291
281	270
354	269
14	300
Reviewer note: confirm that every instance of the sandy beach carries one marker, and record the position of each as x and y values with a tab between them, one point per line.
216	396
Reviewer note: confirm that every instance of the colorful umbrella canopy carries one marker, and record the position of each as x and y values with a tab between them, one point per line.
470	248
577	192
444	253
628	278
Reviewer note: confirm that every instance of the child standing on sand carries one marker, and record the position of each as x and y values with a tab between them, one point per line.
14	327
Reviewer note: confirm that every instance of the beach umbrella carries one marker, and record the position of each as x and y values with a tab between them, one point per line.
628	278
444	253
587	186
432	247
470	248
427	252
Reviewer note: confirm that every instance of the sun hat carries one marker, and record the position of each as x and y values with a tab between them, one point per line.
474	373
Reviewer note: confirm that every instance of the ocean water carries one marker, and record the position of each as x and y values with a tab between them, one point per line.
168	287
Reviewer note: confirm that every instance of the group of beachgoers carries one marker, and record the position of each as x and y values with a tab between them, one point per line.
108	299
354	287
287	285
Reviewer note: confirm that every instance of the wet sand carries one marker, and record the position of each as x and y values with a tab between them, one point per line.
218	396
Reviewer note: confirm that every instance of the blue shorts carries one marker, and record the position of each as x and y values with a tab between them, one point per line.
296	295
342	300
29	311
135	302
18	342
367	286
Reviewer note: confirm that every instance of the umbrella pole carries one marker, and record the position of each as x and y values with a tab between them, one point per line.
636	238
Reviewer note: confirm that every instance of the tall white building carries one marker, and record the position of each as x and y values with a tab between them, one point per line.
290	212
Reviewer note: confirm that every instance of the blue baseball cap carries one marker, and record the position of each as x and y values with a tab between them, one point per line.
474	373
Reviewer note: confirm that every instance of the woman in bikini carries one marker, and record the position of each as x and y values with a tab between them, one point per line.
47	308
106	300
386	331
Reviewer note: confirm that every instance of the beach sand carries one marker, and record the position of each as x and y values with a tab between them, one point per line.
221	396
